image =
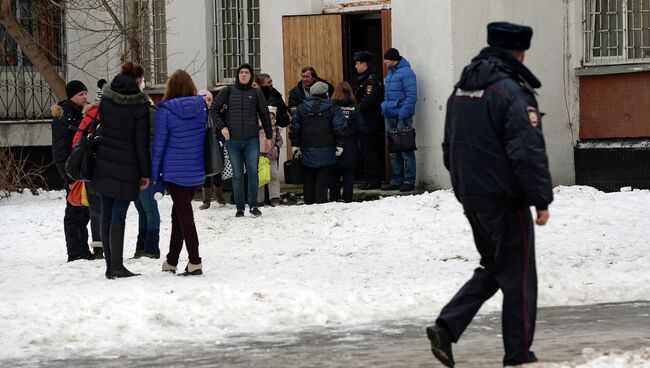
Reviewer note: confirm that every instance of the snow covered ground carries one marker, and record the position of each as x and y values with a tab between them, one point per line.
300	266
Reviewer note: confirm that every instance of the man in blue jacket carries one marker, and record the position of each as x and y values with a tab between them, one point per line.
398	108
494	150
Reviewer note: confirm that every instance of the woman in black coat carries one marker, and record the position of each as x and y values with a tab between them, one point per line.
123	162
344	172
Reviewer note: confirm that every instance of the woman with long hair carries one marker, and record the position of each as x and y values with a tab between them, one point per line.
123	163
178	160
344	98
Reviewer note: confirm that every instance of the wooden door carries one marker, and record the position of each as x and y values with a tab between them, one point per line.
386	36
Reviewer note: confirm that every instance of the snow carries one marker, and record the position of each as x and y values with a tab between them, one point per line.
613	359
300	266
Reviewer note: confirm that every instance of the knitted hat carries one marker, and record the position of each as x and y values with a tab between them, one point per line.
392	54
509	36
73	87
362	56
319	88
100	89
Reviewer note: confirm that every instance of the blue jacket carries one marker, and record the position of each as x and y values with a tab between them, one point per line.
178	151
400	91
318	147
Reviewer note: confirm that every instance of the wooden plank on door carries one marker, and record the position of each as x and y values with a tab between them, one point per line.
386	35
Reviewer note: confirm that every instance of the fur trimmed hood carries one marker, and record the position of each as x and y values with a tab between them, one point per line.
122	99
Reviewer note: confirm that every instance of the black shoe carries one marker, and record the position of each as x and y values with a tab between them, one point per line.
240	213
370	186
121	271
255	212
151	255
72	258
390	187
441	345
406	187
98	253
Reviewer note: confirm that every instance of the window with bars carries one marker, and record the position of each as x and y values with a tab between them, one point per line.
154	40
236	37
617	31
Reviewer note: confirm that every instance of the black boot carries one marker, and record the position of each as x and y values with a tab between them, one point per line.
441	345
117	249
106	246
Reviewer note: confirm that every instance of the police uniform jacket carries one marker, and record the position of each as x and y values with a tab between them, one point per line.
369	94
493	145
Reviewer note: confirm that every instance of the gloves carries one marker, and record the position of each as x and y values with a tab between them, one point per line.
158	190
296	150
339	151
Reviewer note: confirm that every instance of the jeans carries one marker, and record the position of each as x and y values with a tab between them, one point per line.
183	226
113	210
149	222
244	151
402	163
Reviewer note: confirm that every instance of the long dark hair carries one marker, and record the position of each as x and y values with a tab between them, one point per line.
180	84
344	91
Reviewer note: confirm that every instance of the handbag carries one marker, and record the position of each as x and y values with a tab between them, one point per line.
227	166
263	171
401	140
213	153
81	162
293	170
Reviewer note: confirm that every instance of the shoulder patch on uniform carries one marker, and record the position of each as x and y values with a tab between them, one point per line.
471	94
533	115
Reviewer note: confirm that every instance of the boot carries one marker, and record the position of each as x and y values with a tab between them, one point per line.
218	194
106	235
117	249
192	270
98	252
207	196
166	267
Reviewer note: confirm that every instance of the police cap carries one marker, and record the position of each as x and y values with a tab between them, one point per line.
362	56
509	36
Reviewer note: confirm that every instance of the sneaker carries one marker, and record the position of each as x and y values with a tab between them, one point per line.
406	187
255	212
390	187
240	213
441	345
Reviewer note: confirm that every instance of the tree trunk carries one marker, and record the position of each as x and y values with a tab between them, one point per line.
32	49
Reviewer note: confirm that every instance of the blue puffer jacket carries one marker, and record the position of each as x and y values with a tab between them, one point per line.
400	91
178	151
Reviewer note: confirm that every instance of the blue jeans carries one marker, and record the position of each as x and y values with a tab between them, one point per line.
113	210
244	151
149	222
403	163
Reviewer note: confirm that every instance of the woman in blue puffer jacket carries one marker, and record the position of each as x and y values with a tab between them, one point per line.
178	160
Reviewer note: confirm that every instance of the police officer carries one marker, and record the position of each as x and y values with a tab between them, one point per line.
494	150
368	91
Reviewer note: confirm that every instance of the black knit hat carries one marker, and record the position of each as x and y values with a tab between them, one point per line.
73	87
509	36
362	56
392	54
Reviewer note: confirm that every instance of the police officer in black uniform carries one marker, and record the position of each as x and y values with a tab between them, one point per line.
495	152
369	94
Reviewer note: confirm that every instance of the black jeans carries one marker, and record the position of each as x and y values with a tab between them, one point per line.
183	226
75	228
347	175
372	148
315	184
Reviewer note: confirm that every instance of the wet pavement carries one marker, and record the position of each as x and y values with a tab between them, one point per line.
562	335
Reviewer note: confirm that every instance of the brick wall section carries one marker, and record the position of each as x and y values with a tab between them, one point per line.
615	106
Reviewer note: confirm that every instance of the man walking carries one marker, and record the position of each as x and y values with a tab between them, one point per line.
494	150
398	108
368	91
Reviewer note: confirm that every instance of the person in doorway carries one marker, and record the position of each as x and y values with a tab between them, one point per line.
318	129
344	171
212	185
368	92
398	108
67	116
239	125
494	150
302	89
122	166
178	160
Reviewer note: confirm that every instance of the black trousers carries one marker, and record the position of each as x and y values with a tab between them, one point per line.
315	182
372	147
505	241
75	227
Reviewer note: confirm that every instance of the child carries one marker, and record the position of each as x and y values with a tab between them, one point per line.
273	154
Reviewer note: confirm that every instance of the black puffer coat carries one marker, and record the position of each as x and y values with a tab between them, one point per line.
493	146
63	130
245	106
274	98
123	152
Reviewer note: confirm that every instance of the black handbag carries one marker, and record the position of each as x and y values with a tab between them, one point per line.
213	155
293	170
401	140
81	162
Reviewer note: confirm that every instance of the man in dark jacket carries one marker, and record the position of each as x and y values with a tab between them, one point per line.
302	89
64	127
239	124
318	127
494	150
274	98
368	91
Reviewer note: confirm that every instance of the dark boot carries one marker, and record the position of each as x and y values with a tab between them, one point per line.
207	197
218	194
106	245
117	249
441	345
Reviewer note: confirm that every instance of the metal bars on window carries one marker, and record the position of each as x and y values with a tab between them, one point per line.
616	31
236	37
154	40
